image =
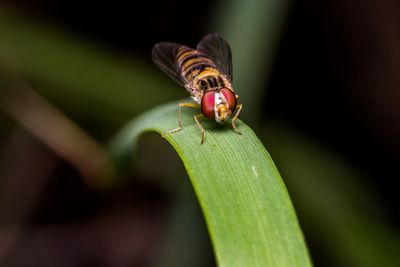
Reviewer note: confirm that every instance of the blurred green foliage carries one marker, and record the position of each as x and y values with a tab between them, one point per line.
338	209
78	74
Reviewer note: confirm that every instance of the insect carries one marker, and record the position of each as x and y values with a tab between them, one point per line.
206	72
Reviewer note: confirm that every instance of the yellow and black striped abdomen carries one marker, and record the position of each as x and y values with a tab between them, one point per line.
193	63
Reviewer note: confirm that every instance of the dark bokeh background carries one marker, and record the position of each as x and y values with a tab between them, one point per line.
329	98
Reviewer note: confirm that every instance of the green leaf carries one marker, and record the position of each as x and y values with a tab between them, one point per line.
247	209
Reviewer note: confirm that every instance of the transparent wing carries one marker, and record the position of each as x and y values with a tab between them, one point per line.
219	51
164	56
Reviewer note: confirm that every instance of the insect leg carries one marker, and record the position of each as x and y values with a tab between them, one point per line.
238	108
203	133
191	105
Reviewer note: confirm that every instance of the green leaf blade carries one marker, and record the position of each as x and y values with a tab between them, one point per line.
247	209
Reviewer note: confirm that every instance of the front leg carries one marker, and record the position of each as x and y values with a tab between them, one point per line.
238	108
190	105
203	132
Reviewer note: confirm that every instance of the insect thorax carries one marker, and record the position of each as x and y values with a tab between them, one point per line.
209	79
200	72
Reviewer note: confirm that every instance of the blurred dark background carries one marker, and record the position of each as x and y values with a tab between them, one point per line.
321	88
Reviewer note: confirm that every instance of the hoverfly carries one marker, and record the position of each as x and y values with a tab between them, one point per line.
206	72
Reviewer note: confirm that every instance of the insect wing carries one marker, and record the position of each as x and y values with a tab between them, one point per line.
164	56
219	51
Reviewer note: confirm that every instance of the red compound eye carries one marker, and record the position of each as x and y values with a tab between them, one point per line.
207	104
230	98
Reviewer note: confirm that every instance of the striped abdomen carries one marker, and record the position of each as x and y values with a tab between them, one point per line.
196	66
